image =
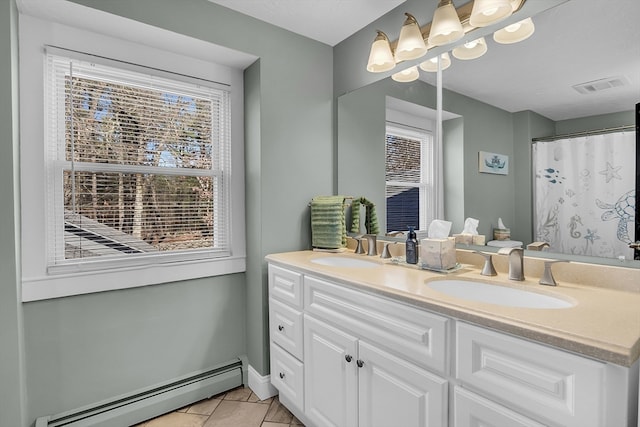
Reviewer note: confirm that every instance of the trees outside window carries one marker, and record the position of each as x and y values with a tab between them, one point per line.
138	165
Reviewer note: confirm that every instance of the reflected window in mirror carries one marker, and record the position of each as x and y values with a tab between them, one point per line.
409	166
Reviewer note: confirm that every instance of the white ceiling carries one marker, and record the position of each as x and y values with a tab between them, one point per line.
328	21
576	42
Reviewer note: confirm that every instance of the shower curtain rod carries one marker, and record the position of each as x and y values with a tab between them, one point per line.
585	133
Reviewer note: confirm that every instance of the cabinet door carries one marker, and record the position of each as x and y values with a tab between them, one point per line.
539	381
471	410
330	373
393	392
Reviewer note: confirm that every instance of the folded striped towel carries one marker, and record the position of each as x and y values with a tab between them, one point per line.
328	226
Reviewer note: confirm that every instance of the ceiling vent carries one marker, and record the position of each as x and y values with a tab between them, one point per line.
602	84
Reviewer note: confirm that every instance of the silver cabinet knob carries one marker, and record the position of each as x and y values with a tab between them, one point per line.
360	363
280	328
281	375
348	358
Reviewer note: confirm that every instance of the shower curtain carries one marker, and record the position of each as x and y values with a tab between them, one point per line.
585	194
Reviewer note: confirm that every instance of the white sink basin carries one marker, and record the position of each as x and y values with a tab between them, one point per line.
499	295
345	262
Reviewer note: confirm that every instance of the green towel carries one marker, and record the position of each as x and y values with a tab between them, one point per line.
328	223
371	219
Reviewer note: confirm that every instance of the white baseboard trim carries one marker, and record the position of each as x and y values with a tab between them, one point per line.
143	404
261	385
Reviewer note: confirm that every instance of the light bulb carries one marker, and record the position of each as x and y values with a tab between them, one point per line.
488	12
408	75
471	44
515	32
513	27
431	64
471	50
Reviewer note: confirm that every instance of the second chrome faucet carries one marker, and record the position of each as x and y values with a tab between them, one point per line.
516	262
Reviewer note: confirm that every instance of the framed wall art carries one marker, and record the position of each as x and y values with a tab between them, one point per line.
493	163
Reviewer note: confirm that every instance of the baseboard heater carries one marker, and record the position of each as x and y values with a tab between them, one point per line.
148	403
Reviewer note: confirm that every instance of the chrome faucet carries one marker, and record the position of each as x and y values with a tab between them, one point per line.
386	254
516	262
487	269
372	244
547	275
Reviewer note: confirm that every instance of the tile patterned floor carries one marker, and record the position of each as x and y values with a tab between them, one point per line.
236	408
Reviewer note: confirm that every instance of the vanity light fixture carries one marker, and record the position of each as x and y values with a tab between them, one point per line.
445	26
431	65
408	75
411	42
488	12
449	25
515	33
380	57
470	50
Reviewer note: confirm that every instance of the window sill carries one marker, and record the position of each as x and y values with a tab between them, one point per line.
63	285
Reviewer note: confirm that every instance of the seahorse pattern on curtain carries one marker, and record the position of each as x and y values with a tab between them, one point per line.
585	194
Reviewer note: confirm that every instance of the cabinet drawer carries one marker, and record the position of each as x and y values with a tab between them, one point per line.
537	380
411	333
285	285
471	410
287	376
285	327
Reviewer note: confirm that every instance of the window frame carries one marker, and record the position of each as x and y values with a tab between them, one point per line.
427	166
39	283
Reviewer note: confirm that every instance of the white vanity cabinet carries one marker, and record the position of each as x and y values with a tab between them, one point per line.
350	383
348	357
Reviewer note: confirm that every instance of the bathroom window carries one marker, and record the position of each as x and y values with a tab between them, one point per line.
132	159
408	160
138	166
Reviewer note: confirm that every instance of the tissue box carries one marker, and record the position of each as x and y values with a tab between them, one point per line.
439	254
465	239
478	239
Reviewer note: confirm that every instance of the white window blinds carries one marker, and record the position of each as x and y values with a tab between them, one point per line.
138	166
407	164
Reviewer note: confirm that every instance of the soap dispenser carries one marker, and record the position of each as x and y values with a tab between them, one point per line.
411	247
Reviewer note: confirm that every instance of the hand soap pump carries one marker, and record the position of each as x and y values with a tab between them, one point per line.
411	247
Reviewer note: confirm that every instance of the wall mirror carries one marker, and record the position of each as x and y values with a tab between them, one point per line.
498	103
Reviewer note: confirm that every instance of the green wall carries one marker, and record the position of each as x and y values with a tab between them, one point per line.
87	348
526	126
82	349
602	121
12	378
